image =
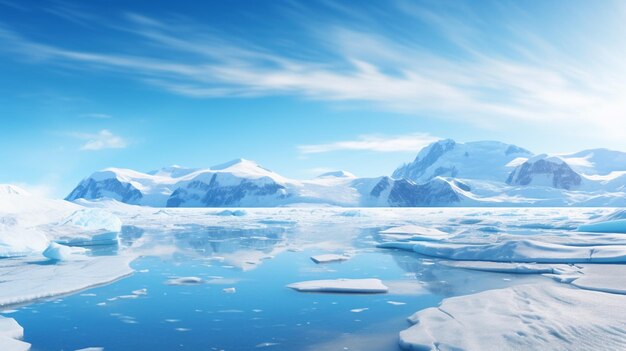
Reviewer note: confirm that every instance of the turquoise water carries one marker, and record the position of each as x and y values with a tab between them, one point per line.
262	313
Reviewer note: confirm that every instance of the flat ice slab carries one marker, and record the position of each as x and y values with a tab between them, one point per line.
327	258
358	286
25	279
525	317
11	334
516	251
415	232
603	277
501	267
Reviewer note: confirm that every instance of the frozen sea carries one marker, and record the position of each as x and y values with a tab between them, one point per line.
204	280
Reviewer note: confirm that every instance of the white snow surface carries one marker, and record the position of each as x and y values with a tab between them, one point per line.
355	286
11	334
524	317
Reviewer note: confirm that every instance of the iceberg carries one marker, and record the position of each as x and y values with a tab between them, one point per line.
94	219
359	286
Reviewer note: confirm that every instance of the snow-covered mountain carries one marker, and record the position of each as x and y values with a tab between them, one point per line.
486	160
445	173
243	183
544	170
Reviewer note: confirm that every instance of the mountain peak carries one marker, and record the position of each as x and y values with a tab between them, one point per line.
10	189
337	174
173	171
235	162
472	160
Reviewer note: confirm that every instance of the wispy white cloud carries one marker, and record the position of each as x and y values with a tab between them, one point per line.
399	143
104	139
481	75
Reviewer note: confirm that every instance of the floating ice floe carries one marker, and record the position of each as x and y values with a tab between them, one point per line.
327	258
229	290
92	349
25	279
60	252
11	335
516	251
525	317
360	286
414	233
185	281
501	267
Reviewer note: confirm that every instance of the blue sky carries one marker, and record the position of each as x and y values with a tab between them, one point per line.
301	87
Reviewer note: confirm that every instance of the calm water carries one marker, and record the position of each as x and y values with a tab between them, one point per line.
262	313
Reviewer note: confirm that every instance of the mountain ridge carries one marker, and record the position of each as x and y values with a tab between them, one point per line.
445	173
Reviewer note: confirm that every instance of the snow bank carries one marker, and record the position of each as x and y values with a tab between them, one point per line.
362	286
11	334
327	258
526	317
24	279
64	253
516	251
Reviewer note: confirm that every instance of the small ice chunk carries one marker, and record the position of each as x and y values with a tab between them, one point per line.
396	303
92	349
326	258
185	281
359	310
362	286
266	344
61	252
229	290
